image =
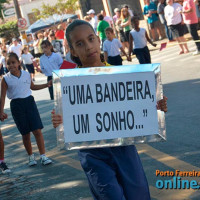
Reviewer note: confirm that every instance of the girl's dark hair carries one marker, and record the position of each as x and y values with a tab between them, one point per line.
69	29
47	44
15	56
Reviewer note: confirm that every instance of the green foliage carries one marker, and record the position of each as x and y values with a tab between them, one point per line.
9	30
61	7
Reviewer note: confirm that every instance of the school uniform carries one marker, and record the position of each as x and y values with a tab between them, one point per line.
48	64
112	49
140	46
115	173
23	106
28	62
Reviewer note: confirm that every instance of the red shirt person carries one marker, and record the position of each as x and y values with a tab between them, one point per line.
60	33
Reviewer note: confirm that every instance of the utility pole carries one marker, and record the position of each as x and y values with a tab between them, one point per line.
17	9
19	16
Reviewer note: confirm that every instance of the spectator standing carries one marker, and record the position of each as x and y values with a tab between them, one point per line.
94	19
129	10
117	14
30	44
126	25
160	10
191	20
60	33
150	11
174	21
102	25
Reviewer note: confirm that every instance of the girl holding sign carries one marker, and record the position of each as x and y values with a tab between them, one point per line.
113	172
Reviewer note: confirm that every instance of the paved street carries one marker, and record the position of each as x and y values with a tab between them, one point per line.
64	179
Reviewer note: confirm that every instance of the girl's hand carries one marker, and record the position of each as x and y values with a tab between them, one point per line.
129	58
3	116
154	44
162	104
39	70
56	119
49	84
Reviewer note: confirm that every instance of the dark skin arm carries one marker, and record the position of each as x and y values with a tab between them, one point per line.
149	40
42	86
130	45
4	88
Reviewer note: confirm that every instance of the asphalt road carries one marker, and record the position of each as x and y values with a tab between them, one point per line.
64	179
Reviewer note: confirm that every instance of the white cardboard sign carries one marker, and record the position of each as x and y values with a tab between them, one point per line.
99	107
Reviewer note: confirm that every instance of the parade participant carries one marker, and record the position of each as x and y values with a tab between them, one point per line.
114	172
15	48
150	11
111	48
138	42
49	61
27	59
3	166
174	19
3	62
191	20
107	18
18	85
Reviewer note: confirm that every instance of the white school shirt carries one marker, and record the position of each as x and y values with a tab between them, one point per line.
50	63
16	49
139	38
18	87
112	47
27	58
3	61
172	14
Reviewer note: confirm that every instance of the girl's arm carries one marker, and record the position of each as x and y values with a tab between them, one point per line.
130	45
126	23
149	40
41	86
106	56
122	50
4	88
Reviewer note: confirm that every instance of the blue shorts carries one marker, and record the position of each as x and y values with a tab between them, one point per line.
115	173
25	115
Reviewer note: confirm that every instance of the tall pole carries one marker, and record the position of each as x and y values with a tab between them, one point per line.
19	15
17	9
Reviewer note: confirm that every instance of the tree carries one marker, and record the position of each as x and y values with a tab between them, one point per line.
2	2
61	7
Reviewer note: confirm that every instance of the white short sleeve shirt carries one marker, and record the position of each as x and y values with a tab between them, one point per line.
112	47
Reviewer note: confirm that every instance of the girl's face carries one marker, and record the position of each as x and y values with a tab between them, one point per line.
13	65
85	45
135	23
46	49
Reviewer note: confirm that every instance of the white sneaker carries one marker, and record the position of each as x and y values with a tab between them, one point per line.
32	160
196	53
45	160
